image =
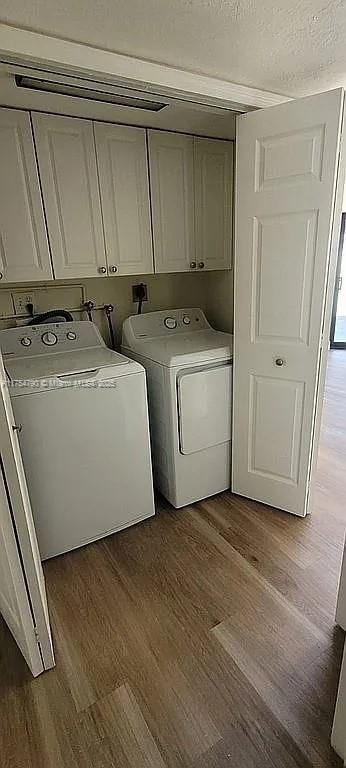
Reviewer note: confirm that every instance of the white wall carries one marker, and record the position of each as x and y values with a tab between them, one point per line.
212	291
344	200
339	726
341	605
219	301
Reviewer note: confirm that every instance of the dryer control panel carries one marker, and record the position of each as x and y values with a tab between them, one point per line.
166	323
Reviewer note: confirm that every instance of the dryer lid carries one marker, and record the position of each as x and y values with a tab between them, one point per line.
183	349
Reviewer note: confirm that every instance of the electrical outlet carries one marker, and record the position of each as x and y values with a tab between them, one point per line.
137	292
20	301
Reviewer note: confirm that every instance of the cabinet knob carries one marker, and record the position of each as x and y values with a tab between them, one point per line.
1	275
201	265
113	269
193	265
280	361
102	270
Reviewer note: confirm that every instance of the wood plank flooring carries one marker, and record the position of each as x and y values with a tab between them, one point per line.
202	638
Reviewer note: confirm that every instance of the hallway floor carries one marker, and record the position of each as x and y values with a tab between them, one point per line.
201	638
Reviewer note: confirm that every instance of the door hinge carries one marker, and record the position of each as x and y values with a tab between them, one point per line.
37	636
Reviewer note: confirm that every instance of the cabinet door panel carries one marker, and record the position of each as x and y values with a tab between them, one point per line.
24	251
214	182
124	186
172	195
67	163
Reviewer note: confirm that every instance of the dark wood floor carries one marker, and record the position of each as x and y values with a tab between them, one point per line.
199	639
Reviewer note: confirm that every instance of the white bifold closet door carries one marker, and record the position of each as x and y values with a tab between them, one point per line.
290	177
23	601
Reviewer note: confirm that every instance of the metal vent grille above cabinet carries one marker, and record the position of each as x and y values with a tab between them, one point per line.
88	90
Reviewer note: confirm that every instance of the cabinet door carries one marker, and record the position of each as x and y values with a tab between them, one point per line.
67	164
24	251
124	186
172	195
213	190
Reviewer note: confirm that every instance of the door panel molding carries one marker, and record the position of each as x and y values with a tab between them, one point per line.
289	158
124	187
24	249
283	286
67	162
266	432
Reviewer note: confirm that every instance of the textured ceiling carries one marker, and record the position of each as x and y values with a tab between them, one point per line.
294	48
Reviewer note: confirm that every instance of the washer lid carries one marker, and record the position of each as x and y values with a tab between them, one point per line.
62	363
183	349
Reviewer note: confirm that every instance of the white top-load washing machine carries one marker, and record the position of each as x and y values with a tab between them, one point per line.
189	376
84	435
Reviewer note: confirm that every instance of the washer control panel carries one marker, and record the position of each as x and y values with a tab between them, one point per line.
29	340
166	323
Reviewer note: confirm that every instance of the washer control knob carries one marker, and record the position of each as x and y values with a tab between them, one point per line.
186	320
170	322
71	335
49	338
25	341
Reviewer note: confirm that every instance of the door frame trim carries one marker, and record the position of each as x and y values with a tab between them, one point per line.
25	48
338	344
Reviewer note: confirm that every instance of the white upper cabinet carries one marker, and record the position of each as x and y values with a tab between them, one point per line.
172	195
124	186
24	251
213	203
85	209
68	171
191	190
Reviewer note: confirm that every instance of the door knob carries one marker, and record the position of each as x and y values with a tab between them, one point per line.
279	361
113	269
102	270
201	265
193	265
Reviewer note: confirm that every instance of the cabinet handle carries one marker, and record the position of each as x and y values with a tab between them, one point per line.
102	270
201	265
1	275
113	269
193	265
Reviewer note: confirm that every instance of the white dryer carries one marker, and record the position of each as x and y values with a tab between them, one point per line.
189	377
84	434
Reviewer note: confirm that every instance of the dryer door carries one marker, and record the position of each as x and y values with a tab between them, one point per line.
205	407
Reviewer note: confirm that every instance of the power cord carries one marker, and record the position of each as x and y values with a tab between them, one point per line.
140	295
